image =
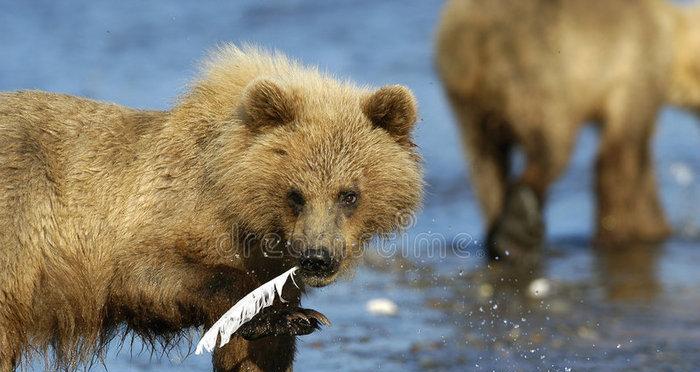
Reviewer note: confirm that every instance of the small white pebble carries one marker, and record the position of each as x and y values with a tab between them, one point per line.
382	306
682	174
539	288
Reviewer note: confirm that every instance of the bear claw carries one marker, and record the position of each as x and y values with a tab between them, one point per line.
293	321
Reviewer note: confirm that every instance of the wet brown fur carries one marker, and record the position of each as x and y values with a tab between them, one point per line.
530	73
112	216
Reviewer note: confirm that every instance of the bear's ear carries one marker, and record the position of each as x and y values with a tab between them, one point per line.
392	108
267	104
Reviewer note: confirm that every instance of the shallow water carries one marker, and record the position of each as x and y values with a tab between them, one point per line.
629	308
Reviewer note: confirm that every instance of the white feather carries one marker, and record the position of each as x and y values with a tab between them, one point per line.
243	311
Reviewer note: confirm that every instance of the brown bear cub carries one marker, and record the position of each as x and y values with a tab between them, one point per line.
528	74
162	220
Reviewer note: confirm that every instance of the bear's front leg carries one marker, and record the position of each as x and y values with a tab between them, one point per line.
275	354
267	342
287	320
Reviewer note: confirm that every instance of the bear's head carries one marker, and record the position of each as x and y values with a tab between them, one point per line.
325	166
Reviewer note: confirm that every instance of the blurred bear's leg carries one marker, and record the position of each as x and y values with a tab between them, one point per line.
652	225
628	204
519	231
487	146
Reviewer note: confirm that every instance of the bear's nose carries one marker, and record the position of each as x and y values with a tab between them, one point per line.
318	261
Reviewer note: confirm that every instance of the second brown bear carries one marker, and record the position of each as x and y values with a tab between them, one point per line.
530	73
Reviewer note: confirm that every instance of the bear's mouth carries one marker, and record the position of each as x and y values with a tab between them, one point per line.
319	278
318	281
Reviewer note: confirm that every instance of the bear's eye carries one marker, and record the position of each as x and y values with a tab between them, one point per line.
348	198
296	201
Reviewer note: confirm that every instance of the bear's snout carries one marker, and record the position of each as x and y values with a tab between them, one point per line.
318	262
